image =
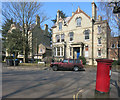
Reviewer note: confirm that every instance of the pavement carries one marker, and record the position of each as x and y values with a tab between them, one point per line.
89	91
26	67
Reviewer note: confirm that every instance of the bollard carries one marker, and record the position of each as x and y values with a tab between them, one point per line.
103	77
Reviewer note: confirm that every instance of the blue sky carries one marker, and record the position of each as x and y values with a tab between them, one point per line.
50	9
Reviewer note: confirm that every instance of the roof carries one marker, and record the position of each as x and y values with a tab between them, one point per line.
41	36
77	12
68	19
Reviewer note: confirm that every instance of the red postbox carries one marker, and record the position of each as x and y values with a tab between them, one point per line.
103	75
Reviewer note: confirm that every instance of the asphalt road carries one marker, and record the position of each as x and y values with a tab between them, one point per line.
45	83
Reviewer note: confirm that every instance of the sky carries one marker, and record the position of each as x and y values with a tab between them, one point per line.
50	9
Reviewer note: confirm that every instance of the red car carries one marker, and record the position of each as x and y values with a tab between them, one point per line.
69	64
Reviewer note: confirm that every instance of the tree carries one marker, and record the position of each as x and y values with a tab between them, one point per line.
5	29
62	14
23	13
106	11
14	42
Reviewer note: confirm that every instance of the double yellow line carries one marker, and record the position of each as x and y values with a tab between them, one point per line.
75	97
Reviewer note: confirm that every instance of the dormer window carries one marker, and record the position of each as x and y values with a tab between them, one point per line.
60	25
78	21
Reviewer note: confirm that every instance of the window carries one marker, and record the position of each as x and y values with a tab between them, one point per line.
40	49
78	21
58	51
77	61
86	32
99	29
62	37
113	45
71	61
86	51
99	40
57	38
71	36
61	51
60	25
65	61
118	46
99	53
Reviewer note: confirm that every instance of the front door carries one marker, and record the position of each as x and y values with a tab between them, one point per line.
76	52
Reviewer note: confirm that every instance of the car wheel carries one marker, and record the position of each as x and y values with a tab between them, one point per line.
55	68
76	68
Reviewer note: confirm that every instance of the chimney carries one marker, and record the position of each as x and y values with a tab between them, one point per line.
37	20
94	11
73	13
58	15
99	18
46	27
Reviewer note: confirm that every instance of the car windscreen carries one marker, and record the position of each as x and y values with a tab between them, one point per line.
77	61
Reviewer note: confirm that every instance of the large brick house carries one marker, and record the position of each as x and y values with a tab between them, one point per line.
78	36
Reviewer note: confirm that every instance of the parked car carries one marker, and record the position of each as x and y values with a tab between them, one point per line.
69	64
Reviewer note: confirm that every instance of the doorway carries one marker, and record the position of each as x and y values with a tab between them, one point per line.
76	52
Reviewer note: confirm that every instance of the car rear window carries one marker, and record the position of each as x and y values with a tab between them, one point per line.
77	61
71	61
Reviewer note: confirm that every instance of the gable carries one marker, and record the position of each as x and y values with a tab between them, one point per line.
78	11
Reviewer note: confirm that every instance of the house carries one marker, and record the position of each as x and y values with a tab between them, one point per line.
81	35
38	40
113	49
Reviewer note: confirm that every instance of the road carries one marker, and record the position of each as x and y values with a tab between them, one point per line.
46	83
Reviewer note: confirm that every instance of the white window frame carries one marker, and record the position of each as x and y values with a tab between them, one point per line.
78	21
57	38
99	29
98	53
71	36
60	25
87	34
62	37
99	41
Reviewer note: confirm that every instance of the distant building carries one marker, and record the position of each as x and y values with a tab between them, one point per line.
76	36
38	40
113	49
